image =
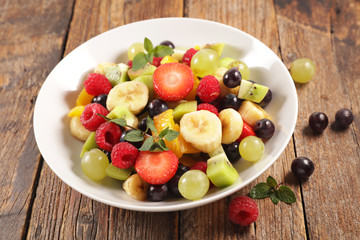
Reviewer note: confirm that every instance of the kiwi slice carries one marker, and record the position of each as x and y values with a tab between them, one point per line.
148	69
252	91
117	73
123	112
183	108
220	171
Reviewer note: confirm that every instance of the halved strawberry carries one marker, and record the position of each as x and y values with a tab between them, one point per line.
173	81
247	131
156	167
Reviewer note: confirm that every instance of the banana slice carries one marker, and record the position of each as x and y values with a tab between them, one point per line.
136	187
251	113
202	129
232	125
133	95
78	130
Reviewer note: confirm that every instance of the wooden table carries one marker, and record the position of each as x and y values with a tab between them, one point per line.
36	204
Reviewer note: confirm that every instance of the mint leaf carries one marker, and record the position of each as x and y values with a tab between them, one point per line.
171	135
148	45
162	145
162	51
134	136
119	121
271	182
139	61
163	132
285	194
261	190
150	124
274	198
147	144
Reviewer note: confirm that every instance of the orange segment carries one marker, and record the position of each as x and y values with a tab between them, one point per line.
191	96
84	98
76	111
186	147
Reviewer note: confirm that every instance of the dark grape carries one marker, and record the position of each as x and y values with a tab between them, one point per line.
182	169
157	193
101	99
232	151
156	107
318	121
167	43
142	125
108	154
230	101
344	117
266	100
264	128
173	185
302	167
232	77
135	144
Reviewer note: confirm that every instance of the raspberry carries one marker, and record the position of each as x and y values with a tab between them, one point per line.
107	135
124	155
208	89
90	118
188	56
243	210
208	107
129	64
156	61
97	84
201	165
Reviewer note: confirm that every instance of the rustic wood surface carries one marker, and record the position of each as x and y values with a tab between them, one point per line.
36	204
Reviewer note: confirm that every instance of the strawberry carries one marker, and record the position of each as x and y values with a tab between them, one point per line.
173	81
247	131
156	167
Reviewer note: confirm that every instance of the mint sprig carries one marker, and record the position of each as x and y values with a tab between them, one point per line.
141	59
275	191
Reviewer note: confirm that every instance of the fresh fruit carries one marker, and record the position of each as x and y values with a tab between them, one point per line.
302	70
252	91
344	117
173	81
135	144
202	129
83	98
193	184
243	210
157	61
90	118
107	135
232	151
264	128
201	165
251	148
220	171
77	129
167	43
156	167
182	169
232	78
247	131
232	125
148	81
134	49
100	68
208	107
158	193
217	47
230	101
188	56
302	167
266	100
133	95
148	69
318	121
142	125
183	108
225	62
208	89
168	59
251	112
118	173
178	54
219	150
156	107
204	62
136	187
186	147
100	99
89	144
242	67
124	155
76	111
191	96
224	90
117	73
173	186
94	164
96	84
124	112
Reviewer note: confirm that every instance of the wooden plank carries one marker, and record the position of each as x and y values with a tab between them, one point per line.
31	44
283	221
315	29
65	213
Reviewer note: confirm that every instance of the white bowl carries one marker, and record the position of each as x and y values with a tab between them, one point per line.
59	91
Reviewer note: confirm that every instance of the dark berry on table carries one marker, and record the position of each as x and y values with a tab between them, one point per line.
157	193
173	186
156	107
101	99
318	121
167	43
232	151
266	100
232	77
243	210
182	169
142	125
302	167
264	128
344	117
230	101
135	144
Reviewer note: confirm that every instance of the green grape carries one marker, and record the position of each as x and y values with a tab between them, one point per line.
94	164
134	49
302	70
118	173
243	68
251	148
193	184
204	62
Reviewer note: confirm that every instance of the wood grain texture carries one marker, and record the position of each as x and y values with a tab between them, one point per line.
31	43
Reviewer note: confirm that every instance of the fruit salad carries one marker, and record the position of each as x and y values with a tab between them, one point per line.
171	122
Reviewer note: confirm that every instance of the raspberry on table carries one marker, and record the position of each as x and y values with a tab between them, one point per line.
243	210
209	107
208	89
124	155
107	135
96	84
90	118
188	56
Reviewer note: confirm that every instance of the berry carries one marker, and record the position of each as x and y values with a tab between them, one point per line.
97	84
302	167
344	117
188	56
232	151
156	61
232	77
208	89
173	185
201	165
156	107
243	210
135	144
247	131
130	63
124	155
108	154
142	125
264	128
167	43
101	99
230	101
208	107
318	121
90	118
157	193
181	169
156	167
107	135
173	81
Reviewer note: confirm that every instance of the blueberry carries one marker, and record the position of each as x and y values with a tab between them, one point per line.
157	193
101	99
156	107
302	167
167	43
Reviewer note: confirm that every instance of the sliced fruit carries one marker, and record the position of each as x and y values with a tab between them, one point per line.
224	90
217	47
168	59
252	91
232	125
192	94
225	62
84	98
220	171
186	147
217	151
202	129
251	112
156	167
148	69
136	187
148	81
184	108
124	112
173	81
246	131
89	144
133	95
178	54
76	111
118	173
243	68
78	130
117	73
100	68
